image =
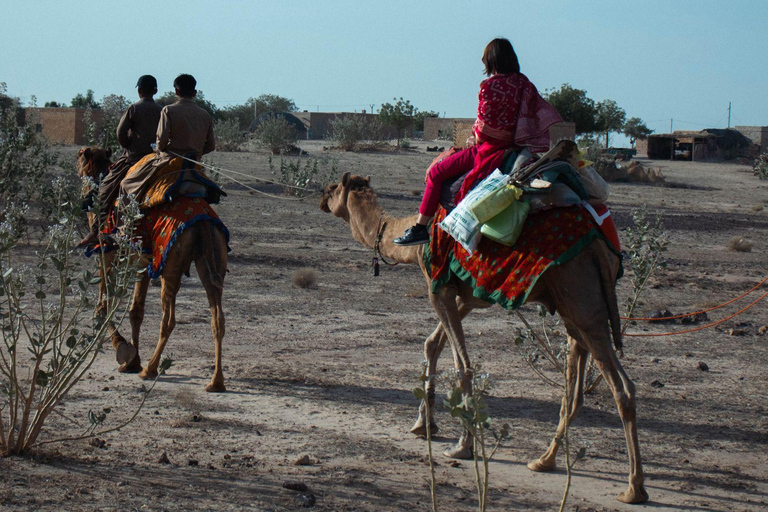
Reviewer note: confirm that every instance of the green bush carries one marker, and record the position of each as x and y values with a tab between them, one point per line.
356	131
277	134
228	134
297	178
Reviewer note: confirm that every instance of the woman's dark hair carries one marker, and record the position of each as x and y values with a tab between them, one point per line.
500	57
186	85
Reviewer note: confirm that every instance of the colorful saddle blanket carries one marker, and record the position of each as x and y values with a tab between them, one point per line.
167	179
506	275
162	225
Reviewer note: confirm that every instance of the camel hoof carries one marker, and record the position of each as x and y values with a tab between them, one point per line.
133	367
459	452
633	495
147	375
540	467
215	388
420	428
125	352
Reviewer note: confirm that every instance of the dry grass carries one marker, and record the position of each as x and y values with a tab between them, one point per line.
757	207
416	192
417	292
186	398
739	244
305	278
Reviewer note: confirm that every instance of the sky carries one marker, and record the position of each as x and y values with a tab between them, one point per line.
673	64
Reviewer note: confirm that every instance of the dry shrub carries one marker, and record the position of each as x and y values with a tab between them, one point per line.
417	292
611	171
739	244
187	399
305	278
757	207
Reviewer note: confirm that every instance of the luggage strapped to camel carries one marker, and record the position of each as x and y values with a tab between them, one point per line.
499	205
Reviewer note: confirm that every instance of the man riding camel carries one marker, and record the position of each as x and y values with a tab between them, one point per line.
135	133
185	130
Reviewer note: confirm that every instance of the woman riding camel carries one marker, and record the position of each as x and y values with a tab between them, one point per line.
510	115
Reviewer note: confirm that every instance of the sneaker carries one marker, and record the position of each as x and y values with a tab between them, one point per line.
415	235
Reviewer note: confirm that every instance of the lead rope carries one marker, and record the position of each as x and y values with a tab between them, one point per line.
377	249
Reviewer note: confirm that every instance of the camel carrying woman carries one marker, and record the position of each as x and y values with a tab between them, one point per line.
510	115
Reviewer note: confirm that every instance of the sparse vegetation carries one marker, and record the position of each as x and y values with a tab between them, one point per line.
229	136
277	135
400	115
297	178
356	132
739	244
305	278
761	166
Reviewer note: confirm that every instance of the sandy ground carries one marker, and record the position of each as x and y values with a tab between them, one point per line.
326	372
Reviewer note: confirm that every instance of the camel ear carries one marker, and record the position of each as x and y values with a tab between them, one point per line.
86	152
345	179
368	180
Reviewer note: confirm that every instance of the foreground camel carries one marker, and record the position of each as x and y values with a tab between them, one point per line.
202	243
581	290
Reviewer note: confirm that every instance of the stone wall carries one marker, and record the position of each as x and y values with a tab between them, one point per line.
62	125
757	134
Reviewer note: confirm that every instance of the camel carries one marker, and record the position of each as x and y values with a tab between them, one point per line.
202	243
590	317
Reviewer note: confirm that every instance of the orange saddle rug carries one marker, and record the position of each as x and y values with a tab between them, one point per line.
161	226
506	275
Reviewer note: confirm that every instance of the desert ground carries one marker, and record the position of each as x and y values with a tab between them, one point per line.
322	375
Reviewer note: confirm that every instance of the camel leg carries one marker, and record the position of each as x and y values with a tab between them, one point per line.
624	393
433	347
445	305
213	289
171	280
571	404
131	362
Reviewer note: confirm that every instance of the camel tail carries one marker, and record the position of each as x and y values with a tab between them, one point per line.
608	284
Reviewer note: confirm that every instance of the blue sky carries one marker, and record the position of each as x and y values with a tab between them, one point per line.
659	60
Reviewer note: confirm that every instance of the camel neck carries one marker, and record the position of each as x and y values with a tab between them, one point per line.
371	224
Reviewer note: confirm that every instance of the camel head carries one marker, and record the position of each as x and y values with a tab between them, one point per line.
335	198
93	162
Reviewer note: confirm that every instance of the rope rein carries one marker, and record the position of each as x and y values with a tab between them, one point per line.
703	310
377	248
227	173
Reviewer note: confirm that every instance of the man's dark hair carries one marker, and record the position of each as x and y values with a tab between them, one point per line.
500	57
185	84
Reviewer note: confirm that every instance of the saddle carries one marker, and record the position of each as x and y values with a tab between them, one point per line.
546	178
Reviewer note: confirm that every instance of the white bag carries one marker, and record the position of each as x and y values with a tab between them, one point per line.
460	223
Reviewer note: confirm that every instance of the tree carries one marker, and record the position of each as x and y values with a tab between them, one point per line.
270	103
54	104
86	101
170	97
418	118
113	107
610	118
574	106
635	129
400	115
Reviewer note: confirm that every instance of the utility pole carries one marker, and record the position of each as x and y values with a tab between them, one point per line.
670	125
373	105
729	115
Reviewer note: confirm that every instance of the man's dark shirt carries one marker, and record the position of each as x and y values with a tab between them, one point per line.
138	127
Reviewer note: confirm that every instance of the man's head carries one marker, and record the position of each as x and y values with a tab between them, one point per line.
185	86
147	86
